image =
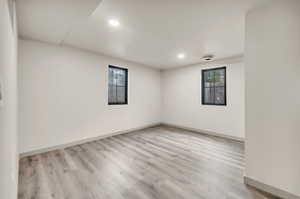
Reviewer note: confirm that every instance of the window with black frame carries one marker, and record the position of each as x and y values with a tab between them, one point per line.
117	85
214	86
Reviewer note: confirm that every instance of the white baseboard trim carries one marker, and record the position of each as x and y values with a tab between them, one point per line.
205	132
86	140
269	189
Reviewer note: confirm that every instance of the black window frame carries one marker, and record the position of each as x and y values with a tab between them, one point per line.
203	86
126	86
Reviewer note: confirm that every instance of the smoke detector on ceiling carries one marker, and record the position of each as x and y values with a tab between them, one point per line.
207	57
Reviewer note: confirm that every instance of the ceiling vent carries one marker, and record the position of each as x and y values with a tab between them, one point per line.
207	57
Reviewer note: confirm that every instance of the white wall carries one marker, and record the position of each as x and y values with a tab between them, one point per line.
63	96
8	109
272	95
182	105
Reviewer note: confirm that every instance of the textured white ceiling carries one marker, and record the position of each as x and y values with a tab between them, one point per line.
152	32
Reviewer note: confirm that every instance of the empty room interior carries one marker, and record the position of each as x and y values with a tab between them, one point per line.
141	99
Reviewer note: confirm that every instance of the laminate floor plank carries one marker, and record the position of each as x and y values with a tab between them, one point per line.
155	163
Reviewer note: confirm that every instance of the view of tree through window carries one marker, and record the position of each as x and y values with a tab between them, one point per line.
214	86
117	85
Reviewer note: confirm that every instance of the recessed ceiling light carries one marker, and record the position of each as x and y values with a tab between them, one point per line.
113	22
181	56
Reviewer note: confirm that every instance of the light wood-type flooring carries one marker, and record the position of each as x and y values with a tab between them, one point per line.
155	163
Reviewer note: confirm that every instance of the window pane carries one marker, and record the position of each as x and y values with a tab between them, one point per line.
121	94
209	96
214	85
121	77
219	77
117	85
112	94
220	95
208	78
111	76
